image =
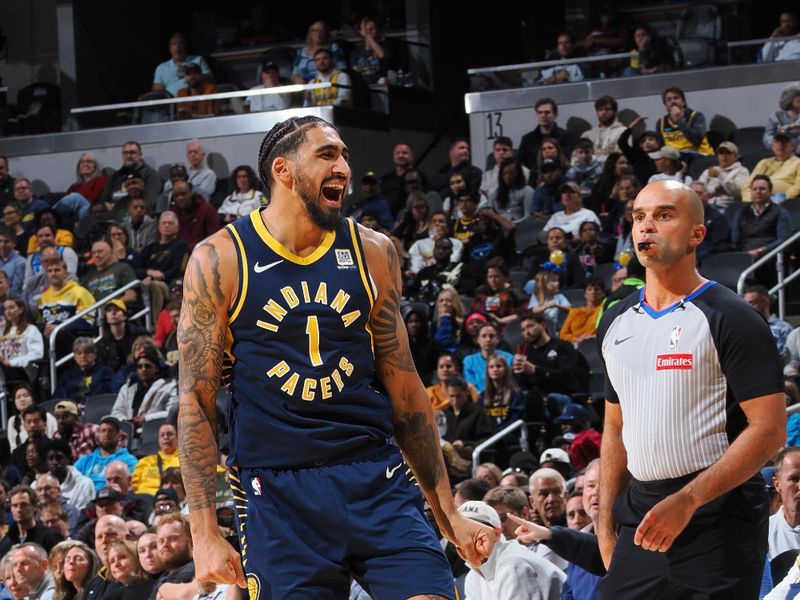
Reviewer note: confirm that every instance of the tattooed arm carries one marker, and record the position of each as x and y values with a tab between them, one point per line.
415	430
208	286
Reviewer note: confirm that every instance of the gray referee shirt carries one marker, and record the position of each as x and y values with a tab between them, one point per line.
679	375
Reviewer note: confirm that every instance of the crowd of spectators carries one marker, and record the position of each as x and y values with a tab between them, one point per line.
501	328
319	60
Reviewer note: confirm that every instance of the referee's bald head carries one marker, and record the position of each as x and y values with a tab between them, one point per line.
680	194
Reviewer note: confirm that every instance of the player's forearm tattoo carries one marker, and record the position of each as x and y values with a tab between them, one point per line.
417	438
391	349
201	340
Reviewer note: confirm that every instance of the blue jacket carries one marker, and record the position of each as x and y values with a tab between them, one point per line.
94	465
475	368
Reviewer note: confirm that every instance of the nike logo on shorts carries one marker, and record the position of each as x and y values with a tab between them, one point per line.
390	472
261	268
618	342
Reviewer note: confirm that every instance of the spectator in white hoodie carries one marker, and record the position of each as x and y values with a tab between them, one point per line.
724	183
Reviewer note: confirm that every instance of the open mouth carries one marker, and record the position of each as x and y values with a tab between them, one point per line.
333	192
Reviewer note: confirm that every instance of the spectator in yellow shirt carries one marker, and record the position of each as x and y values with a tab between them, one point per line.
581	323
146	477
783	170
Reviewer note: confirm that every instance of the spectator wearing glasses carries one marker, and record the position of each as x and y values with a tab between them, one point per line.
86	189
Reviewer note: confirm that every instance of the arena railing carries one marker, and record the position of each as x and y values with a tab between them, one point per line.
780	287
284	89
527	74
523	442
144	312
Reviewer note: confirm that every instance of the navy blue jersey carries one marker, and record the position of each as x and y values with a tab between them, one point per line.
299	358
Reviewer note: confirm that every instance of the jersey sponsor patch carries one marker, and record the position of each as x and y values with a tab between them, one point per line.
671	362
344	258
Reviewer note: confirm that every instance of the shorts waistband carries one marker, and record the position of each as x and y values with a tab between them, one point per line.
664	486
368	451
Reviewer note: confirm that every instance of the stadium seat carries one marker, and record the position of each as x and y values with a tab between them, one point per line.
726	267
97	407
526	234
751	159
513	334
50	405
793	208
748	140
518	276
731	210
154	114
575	297
148	444
605	271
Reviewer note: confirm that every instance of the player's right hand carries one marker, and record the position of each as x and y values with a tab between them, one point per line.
607	541
216	561
474	541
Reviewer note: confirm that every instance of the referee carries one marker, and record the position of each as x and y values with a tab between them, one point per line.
694	408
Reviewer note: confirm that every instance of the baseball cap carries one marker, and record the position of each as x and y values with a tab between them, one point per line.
113	420
781	135
119	303
370	176
524	461
570	186
270	64
68	406
166	494
133	175
550	163
108	493
476	315
176	284
481	512
554	455
665	152
571	412
730	147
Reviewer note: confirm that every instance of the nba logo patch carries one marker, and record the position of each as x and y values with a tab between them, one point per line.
675	337
255	482
344	258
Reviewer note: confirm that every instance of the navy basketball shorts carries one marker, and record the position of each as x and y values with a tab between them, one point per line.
719	555
305	532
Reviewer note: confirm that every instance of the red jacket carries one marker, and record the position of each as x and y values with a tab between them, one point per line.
90	190
197	223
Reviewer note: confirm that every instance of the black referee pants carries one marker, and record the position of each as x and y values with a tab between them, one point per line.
720	554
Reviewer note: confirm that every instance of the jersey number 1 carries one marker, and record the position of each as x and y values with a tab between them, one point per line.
312	330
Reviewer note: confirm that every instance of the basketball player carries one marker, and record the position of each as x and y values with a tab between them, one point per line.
694	409
296	309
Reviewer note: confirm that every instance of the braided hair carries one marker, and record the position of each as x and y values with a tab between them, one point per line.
283	140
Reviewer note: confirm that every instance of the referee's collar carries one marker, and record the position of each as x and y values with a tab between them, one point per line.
656	314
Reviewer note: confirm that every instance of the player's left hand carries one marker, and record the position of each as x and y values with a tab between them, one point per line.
663	523
474	541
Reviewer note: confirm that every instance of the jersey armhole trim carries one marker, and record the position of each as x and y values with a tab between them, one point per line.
241	256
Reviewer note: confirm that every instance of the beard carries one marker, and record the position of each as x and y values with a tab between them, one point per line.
327	219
